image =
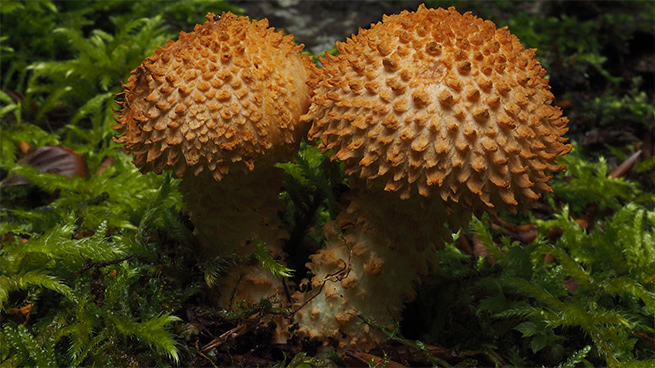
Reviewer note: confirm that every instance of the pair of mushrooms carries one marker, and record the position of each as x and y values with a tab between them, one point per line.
435	114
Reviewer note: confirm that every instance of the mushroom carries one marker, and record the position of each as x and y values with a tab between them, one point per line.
219	107
436	115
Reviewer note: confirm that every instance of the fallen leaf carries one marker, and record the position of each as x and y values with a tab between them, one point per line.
526	233
625	167
26	309
583	223
23	147
571	285
107	162
464	245
51	159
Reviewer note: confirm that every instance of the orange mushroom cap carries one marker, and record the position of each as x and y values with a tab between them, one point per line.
438	102
223	97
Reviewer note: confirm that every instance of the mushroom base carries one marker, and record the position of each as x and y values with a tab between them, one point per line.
377	250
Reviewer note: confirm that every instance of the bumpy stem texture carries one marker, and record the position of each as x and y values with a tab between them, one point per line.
377	250
228	216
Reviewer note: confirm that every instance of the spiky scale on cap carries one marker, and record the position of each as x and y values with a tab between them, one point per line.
223	97
443	104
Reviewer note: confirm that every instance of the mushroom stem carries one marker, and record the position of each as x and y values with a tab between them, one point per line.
377	250
229	216
233	211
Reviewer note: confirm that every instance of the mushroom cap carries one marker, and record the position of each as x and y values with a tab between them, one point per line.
223	97
443	104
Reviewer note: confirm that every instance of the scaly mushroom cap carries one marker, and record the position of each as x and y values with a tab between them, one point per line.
223	97
441	103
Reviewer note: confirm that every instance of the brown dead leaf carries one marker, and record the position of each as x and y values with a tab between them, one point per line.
549	258
624	168
479	249
643	335
51	159
464	245
26	309
565	104
583	223
23	147
526	233
107	162
571	285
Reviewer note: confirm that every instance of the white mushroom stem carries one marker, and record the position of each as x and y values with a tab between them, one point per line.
229	215
376	252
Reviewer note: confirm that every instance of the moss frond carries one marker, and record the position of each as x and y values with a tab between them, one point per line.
153	331
269	263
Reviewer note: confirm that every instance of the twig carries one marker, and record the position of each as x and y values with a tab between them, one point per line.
204	356
239	330
337	276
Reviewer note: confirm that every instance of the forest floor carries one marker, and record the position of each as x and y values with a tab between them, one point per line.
600	59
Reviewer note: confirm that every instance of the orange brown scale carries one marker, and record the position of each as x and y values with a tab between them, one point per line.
443	104
223	97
